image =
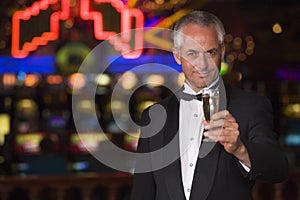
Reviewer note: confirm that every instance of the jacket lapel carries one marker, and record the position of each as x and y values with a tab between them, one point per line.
205	173
173	171
207	163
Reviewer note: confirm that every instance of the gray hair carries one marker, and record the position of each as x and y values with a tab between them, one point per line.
200	18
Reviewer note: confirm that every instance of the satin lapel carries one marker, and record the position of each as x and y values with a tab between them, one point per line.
205	173
223	100
173	171
209	153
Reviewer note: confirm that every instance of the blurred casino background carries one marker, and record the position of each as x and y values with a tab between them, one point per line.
43	43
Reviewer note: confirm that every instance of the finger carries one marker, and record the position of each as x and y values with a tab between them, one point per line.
229	125
221	123
217	137
221	115
213	124
224	114
213	133
206	123
228	136
223	135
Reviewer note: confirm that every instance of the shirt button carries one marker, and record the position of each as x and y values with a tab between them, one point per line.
195	115
191	138
188	190
191	164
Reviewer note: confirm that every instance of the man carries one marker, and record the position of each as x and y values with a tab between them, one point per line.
246	148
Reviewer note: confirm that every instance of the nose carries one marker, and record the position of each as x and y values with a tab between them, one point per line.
202	62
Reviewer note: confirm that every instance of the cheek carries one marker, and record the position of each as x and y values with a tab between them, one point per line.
217	62
186	64
186	68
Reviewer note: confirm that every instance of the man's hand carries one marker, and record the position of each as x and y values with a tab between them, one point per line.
224	129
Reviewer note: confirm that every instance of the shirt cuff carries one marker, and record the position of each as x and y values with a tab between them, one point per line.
247	169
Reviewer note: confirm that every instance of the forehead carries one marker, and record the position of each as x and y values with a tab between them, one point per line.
203	36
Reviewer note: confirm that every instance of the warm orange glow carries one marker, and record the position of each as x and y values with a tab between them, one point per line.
43	39
77	81
277	29
9	79
31	80
54	79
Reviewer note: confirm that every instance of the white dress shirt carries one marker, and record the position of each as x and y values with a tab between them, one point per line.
190	135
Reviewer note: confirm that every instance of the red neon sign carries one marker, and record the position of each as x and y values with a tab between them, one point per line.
120	43
43	39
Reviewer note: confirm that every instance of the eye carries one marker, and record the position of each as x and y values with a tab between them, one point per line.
212	52
192	53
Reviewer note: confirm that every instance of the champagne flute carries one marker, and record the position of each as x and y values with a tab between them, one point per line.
210	98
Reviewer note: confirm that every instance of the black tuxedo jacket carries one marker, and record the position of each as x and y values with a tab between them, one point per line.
218	175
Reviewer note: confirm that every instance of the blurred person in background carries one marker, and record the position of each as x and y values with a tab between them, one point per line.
48	162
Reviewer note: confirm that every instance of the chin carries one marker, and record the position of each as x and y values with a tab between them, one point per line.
201	85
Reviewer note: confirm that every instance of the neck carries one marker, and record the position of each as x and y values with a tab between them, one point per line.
212	85
195	89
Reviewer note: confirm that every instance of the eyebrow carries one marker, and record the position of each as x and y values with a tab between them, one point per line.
206	51
212	50
191	50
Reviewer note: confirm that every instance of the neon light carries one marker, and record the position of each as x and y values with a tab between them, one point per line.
30	64
86	14
121	65
131	3
153	21
43	39
151	34
120	43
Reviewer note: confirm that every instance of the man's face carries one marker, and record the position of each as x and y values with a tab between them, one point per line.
200	55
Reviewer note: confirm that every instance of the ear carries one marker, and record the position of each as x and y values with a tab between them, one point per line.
176	56
223	51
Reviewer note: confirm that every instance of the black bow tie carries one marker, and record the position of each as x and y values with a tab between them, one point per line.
189	97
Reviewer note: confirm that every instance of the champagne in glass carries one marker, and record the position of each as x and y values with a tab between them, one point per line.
210	98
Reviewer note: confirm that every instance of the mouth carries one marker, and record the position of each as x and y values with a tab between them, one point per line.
201	74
